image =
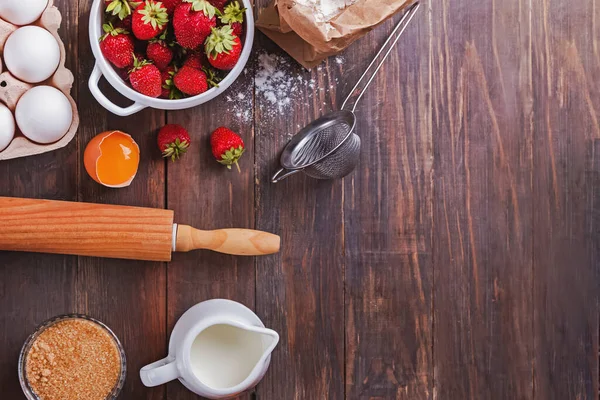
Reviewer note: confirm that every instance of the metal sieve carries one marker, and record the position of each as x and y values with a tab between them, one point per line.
329	148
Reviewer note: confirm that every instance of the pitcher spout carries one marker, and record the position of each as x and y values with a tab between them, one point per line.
269	339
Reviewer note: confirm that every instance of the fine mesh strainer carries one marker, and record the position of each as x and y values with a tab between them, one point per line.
329	148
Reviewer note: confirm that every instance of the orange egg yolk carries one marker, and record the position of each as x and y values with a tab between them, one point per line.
119	160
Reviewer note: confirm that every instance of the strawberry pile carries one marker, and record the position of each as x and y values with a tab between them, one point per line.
173	48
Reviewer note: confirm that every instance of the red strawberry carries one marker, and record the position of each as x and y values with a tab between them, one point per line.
117	46
193	60
220	4
237	28
145	78
227	147
192	22
190	81
169	91
170	5
121	8
124	23
223	48
173	141
234	16
159	53
149	20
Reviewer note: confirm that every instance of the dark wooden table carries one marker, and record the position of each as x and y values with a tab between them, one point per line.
459	261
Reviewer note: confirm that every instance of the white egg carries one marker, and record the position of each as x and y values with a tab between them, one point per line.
22	12
44	114
7	127
31	54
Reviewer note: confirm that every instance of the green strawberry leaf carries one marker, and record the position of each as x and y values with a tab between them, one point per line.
124	11
155	15
204	6
233	13
212	77
175	150
114	4
221	40
232	157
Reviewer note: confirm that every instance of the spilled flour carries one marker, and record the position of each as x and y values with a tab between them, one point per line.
239	101
278	84
240	105
274	82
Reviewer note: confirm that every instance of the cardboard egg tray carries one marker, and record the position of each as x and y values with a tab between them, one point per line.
11	89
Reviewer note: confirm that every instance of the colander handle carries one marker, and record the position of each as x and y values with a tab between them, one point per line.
278	177
367	77
105	102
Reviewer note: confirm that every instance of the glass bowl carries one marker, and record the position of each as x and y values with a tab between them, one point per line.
29	393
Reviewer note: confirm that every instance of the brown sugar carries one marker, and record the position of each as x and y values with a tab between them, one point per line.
74	359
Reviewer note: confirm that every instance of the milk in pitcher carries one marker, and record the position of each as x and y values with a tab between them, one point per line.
222	356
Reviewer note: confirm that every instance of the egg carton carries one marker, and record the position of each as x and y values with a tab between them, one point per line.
11	88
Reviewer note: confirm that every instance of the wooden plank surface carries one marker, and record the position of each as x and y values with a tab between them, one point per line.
482	243
299	292
388	222
459	261
566	271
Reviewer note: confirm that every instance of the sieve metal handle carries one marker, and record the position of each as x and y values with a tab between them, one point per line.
367	77
278	177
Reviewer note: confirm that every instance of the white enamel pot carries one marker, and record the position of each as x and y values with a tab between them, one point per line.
103	67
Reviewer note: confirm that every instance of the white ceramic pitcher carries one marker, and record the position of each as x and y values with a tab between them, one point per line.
218	348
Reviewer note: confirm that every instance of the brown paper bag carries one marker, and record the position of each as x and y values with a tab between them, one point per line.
296	30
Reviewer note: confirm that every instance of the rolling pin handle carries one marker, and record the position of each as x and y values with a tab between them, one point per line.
241	242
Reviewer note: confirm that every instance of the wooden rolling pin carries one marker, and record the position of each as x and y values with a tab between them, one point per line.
99	230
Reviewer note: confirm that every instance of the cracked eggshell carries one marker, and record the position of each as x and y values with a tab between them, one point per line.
22	12
7	127
31	54
44	114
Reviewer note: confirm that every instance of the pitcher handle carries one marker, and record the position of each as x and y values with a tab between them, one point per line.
159	373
